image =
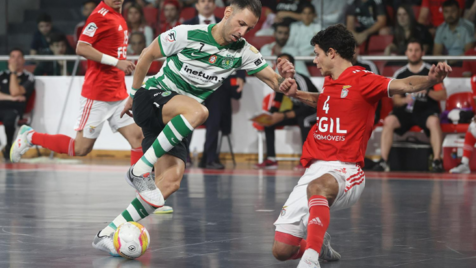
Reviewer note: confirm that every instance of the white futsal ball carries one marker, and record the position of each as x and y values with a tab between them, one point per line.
131	240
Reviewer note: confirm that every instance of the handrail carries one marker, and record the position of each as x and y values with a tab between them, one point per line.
306	58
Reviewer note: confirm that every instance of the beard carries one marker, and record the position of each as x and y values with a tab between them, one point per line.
414	62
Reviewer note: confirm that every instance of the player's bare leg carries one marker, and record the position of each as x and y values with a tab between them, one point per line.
468	148
181	114
133	134
287	247
390	124
82	145
436	140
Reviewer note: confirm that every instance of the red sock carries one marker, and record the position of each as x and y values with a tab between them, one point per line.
57	143
302	248
136	154
468	147
319	217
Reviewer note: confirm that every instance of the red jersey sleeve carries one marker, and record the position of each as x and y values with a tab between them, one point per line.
96	26
374	87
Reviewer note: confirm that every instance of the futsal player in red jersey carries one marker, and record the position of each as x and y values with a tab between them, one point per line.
104	43
335	147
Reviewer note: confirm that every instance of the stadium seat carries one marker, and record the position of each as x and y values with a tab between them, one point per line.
363	48
313	71
454	101
390	15
416	11
378	43
150	15
457	72
71	41
188	13
219	11
259	41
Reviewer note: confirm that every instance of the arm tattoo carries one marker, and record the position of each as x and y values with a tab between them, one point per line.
280	81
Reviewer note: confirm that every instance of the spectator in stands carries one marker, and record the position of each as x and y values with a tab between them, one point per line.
300	114
41	39
137	44
470	12
303	30
365	18
431	13
406	28
58	46
281	36
136	23
86	10
456	34
330	12
206	10
16	87
367	64
419	109
289	11
172	15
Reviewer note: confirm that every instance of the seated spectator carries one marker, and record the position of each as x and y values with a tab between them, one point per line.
17	86
206	13
171	14
281	36
470	12
137	44
58	46
367	64
86	10
431	13
295	116
406	28
456	34
365	18
289	11
136	22
418	109
303	30
41	38
330	12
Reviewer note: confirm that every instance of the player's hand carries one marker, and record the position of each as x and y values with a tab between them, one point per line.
126	66
286	68
127	108
439	72
12	66
241	83
288	87
20	98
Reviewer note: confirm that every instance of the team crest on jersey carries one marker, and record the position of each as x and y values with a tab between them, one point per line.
283	211
92	129
212	59
344	91
166	93
171	36
227	62
90	30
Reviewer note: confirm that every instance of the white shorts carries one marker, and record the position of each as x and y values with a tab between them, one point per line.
295	213
93	114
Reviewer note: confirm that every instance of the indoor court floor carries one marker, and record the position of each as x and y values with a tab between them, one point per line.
49	215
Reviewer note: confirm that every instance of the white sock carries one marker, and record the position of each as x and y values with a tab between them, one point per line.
465	160
29	136
272	159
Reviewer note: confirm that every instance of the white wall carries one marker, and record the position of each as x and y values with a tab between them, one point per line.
51	97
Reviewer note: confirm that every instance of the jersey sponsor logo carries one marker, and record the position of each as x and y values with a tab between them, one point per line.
227	62
126	37
212	59
122	51
199	76
120	28
258	62
254	50
344	91
329	125
172	36
103	11
90	30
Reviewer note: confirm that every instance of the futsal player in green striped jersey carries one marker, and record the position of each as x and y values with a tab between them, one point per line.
168	105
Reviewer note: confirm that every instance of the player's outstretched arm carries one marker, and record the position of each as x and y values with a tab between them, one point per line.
90	53
289	88
418	83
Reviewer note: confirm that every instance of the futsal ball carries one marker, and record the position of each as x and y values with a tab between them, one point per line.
131	240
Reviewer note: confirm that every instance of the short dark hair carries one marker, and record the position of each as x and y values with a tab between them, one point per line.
280	24
291	58
253	5
141	34
43	18
58	37
308	5
17	49
450	3
414	40
338	38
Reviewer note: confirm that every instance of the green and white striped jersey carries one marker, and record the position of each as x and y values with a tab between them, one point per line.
196	65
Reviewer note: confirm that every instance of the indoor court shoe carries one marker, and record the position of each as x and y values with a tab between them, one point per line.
461	169
105	243
146	188
381	166
310	259
267	164
164	210
327	252
437	166
21	144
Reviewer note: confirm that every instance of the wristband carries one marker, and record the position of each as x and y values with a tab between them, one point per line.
108	60
285	116
133	92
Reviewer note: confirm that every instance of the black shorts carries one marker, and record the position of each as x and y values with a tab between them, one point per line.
408	120
147	112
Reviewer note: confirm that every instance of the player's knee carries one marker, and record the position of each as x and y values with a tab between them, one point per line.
390	122
433	122
281	253
82	150
325	186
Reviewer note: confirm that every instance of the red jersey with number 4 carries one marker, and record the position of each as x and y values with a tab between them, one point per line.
345	116
106	31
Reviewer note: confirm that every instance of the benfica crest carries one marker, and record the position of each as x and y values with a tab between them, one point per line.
344	91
